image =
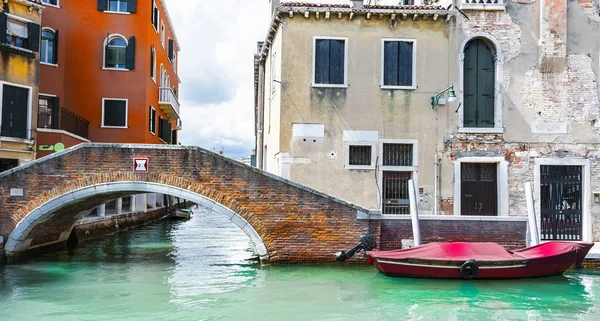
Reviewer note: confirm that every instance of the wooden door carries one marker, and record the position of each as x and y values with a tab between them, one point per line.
479	189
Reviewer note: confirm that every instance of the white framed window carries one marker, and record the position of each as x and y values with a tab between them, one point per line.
52	3
163	77
330	62
155	16
22	33
152	115
398	63
397	164
114	112
49	50
162	34
117	6
360	149
115	53
15	112
153	64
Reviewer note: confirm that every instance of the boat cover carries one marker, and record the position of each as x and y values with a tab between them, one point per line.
462	251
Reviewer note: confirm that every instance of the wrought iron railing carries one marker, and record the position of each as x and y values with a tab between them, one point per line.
65	120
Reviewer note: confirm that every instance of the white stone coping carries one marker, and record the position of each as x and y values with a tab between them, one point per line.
454	218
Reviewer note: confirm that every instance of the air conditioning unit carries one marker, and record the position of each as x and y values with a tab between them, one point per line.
179	124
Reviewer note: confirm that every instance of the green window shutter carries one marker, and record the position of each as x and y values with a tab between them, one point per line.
3	21
131	6
55	48
406	63
485	86
34	36
470	86
322	61
337	61
102	5
171	49
130	55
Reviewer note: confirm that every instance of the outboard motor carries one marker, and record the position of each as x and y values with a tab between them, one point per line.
367	243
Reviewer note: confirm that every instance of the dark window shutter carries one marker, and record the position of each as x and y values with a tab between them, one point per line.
174	137
55	47
131	6
102	5
470	86
3	21
152	62
55	112
337	62
406	63
114	113
130	55
34	37
485	86
390	64
322	61
171	49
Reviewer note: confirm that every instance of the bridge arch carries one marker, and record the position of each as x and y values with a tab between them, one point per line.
19	239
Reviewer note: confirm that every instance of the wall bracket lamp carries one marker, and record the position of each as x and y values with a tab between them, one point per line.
435	100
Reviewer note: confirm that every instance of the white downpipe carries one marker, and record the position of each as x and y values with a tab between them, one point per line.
533	229
414	212
435	185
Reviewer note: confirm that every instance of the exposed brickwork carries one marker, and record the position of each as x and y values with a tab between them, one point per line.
499	24
294	223
508	234
553	37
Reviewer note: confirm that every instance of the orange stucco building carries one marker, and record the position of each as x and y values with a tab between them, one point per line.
108	74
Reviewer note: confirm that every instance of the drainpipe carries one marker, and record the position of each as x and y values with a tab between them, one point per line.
261	115
435	185
533	229
414	213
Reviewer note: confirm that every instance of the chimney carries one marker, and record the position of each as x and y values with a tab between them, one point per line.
359	4
274	5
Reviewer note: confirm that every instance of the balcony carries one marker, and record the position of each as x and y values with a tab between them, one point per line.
482	5
63	120
168	103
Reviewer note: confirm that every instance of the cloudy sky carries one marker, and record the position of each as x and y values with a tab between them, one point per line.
218	41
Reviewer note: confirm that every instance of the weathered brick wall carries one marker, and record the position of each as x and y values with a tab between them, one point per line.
295	223
510	234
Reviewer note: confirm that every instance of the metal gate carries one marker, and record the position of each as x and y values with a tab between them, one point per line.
561	200
395	193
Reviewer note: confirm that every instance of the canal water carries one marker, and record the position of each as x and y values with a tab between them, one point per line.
202	269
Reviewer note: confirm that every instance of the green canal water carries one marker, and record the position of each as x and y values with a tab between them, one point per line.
201	270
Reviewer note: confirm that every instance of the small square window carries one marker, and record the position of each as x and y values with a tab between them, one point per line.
360	155
152	120
114	113
397	155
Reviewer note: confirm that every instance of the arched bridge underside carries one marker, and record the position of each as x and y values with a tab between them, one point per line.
41	201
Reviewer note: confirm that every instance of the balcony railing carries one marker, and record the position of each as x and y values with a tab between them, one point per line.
168	102
65	120
482	4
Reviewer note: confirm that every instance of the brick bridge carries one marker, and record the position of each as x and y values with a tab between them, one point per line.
41	201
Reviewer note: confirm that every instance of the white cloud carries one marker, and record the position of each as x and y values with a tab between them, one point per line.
218	41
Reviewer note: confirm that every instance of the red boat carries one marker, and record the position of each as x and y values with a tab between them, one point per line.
460	260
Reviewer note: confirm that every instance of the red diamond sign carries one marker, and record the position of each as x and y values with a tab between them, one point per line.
140	165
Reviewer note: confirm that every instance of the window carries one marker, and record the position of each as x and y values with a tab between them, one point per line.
174	137
119	53
330	62
162	34
174	62
155	16
360	155
273	72
51	2
399	64
117	5
15	111
164	130
397	154
48	112
114	113
152	120
479	84
19	34
162	75
153	64
49	47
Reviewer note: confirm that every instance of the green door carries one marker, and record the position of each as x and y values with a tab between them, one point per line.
479	85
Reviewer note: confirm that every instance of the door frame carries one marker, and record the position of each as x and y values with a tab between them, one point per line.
29	109
586	218
501	180
380	168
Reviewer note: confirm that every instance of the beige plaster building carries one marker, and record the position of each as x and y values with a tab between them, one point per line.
344	104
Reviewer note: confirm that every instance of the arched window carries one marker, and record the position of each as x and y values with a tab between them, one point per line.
116	53
162	75
479	87
153	64
49	47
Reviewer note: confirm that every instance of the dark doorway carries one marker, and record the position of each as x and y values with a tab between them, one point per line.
395	193
14	111
479	189
6	164
560	201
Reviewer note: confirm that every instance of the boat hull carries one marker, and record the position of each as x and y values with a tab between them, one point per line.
522	267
